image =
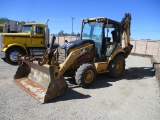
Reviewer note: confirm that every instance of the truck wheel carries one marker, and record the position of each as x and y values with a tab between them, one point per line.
11	55
85	75
117	66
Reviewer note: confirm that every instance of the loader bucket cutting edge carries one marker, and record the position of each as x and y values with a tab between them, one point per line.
39	81
35	90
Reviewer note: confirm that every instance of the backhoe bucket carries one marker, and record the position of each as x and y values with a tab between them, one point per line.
39	81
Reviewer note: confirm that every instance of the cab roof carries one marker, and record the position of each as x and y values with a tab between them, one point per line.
34	23
102	19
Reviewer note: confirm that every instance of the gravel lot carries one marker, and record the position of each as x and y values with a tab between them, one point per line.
135	96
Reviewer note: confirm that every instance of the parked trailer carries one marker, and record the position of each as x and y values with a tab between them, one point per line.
10	26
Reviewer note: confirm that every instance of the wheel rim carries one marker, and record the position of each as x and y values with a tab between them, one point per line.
119	66
13	56
89	76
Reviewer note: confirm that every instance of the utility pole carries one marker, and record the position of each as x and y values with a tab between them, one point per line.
72	24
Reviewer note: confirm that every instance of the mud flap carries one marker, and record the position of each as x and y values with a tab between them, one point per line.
39	81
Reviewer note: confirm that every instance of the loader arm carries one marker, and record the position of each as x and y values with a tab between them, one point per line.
71	59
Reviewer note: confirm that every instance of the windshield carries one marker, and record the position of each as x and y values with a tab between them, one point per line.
26	28
92	31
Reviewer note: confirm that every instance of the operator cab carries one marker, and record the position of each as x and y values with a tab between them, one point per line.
104	33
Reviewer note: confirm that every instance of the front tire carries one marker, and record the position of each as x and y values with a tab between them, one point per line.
12	55
85	75
117	66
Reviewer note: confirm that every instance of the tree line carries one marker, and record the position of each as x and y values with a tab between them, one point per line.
3	20
62	33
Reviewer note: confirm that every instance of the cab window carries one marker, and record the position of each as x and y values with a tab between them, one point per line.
39	30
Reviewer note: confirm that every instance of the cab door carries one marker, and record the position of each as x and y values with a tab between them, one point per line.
110	44
38	36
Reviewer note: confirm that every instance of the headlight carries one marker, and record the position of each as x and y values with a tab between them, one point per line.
4	45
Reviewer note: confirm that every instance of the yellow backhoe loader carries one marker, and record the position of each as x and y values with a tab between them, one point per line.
99	50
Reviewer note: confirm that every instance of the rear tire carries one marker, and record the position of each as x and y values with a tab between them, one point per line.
85	75
12	55
117	66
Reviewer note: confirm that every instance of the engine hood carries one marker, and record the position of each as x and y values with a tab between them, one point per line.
76	43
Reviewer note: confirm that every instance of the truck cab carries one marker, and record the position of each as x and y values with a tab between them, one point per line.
32	40
36	32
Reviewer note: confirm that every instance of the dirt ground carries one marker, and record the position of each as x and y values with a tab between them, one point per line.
135	96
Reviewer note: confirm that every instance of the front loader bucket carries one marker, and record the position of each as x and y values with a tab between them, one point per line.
39	81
